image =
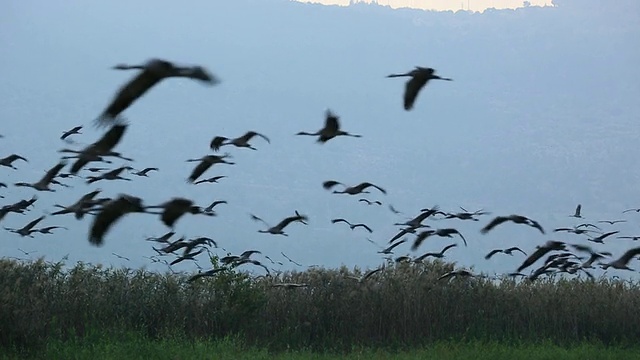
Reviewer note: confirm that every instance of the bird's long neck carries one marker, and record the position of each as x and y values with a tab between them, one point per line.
398	75
129	67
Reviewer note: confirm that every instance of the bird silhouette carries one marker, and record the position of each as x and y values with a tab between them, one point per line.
518	219
352	226
330	130
419	78
80	207
540	252
152	72
456	273
144	172
278	229
110	213
28	229
205	163
438	255
508	251
369	202
73	131
576	214
7	161
43	184
210	180
175	208
100	148
351	190
242	141
622	261
366	275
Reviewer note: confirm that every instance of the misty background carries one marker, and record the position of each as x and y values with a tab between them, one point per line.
542	115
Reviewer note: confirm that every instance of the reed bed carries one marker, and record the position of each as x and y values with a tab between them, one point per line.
404	306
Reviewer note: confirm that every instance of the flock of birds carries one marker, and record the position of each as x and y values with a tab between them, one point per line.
106	212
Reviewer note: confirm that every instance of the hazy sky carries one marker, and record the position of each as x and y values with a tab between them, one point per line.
542	115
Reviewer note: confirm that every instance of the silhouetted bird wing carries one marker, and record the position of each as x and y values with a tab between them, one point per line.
203	166
53	172
330	183
128	93
333	221
578	209
331	123
412	89
110	214
363	226
217	142
495	222
515	248
630	254
491	253
250	134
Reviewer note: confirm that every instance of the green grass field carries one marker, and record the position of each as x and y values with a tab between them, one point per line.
51	312
138	347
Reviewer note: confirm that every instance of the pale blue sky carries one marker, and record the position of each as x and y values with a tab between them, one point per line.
541	115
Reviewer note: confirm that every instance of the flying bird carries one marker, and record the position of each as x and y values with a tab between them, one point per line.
393	210
419	78
43	184
209	209
622	262
278	229
7	161
634	238
456	273
600	239
175	208
438	255
144	172
73	131
518	219
211	272
111	175
351	190
612	222
102	147
366	275
629	210
28	229
80	207
210	180
48	229
550	245
389	249
110	213
205	163
577	212
330	130
575	230
352	226
508	251
448	232
466	215
152	72
242	141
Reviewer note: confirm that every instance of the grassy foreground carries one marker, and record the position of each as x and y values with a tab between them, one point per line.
89	311
134	346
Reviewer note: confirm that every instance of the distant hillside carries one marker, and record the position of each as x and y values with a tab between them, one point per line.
440	5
